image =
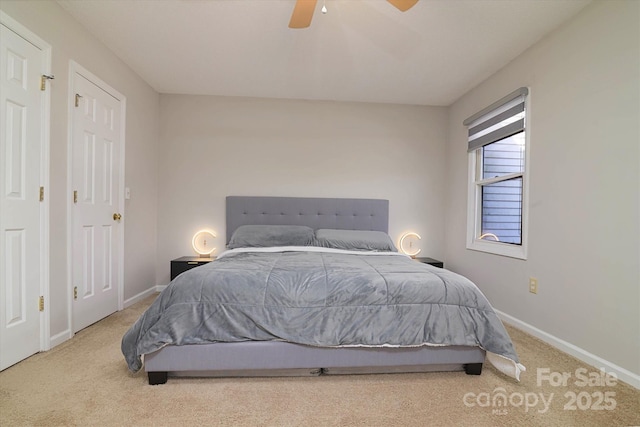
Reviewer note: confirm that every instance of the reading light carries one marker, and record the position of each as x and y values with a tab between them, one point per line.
202	243
409	251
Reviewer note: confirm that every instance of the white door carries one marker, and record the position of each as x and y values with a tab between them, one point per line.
96	221
21	211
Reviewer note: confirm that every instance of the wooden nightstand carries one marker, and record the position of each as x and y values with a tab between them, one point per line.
180	265
430	261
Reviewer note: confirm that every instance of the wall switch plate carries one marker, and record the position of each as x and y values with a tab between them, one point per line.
127	193
533	285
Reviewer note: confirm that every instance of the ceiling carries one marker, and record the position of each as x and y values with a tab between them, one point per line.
361	50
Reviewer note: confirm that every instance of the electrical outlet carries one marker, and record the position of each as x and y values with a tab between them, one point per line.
533	285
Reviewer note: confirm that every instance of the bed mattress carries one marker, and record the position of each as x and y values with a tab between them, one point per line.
321	297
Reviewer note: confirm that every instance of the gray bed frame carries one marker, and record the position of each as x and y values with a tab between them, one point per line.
278	358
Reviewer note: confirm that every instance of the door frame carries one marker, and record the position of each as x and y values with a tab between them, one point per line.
45	123
75	68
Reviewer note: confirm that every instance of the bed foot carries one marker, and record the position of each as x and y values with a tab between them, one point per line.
156	378
473	368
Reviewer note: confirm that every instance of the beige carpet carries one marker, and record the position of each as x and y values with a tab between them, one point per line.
85	382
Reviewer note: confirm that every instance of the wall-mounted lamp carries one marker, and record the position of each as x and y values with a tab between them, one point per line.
409	251
202	243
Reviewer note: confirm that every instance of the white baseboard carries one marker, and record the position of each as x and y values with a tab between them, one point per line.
60	338
575	351
142	295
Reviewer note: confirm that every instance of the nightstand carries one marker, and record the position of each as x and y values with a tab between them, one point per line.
180	265
430	261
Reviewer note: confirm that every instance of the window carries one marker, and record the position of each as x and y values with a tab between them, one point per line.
496	220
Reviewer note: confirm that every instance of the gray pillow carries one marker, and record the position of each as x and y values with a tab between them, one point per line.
248	236
358	240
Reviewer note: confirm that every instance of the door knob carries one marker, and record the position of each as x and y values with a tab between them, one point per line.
117	217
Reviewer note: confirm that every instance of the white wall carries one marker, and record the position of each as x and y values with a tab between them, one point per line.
584	186
70	41
212	147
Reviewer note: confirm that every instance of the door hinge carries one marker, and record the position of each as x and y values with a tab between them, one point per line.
78	96
75	196
41	303
75	292
42	194
43	81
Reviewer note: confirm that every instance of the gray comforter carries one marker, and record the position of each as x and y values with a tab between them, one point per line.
320	297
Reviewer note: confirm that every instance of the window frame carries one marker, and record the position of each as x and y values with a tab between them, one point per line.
474	199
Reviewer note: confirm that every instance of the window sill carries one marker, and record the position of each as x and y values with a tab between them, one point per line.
497	248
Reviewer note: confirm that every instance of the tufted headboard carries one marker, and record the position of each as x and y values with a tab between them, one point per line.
344	214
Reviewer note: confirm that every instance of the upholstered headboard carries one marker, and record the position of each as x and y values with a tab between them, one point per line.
343	214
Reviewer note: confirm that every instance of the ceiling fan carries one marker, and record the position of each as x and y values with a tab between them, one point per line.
303	11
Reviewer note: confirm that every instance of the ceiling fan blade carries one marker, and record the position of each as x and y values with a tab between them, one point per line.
403	5
302	13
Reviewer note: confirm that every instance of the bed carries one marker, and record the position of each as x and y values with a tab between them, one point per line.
314	286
